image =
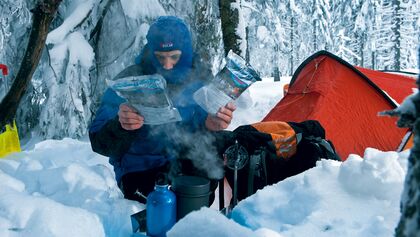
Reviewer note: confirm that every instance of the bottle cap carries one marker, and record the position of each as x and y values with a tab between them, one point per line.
161	179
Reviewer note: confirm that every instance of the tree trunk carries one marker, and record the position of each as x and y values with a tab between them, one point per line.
397	33
362	49
409	224
373	60
247	54
230	19
292	43
314	28
373	41
43	14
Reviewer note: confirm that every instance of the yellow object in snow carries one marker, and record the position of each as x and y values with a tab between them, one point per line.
9	140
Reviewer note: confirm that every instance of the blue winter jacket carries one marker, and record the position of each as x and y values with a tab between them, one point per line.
150	146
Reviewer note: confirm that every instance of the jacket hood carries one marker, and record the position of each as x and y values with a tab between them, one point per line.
169	33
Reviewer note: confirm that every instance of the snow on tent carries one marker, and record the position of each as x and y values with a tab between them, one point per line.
346	100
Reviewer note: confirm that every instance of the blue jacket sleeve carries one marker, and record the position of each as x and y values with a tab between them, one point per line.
106	135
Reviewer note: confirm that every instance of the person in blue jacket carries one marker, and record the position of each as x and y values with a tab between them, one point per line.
138	151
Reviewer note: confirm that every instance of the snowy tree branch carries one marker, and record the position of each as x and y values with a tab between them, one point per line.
43	14
407	111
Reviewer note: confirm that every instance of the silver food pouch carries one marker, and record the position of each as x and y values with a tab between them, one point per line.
235	77
148	95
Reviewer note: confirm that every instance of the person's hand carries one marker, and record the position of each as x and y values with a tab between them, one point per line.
222	118
129	118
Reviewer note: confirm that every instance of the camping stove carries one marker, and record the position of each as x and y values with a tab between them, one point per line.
235	158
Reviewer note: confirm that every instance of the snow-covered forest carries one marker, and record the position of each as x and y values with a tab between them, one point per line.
92	40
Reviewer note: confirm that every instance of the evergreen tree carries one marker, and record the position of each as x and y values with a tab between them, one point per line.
320	14
357	32
396	30
371	36
291	25
409	12
266	37
342	29
205	25
385	43
303	31
230	16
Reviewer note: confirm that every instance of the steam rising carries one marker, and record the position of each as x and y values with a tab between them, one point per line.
197	149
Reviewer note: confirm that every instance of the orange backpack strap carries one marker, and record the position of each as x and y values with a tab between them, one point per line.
283	137
279	137
300	144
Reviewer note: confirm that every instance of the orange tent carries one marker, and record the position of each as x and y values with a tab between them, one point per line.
346	100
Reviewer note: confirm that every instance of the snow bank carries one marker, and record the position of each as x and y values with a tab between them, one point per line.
359	197
61	188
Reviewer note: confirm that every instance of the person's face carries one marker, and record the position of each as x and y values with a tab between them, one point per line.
168	59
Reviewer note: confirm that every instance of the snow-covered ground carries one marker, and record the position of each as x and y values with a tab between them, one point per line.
59	188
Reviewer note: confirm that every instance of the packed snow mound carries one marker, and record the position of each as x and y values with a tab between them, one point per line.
373	176
209	222
33	215
222	226
61	188
358	197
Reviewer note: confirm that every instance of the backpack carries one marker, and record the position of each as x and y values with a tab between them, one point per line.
275	150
